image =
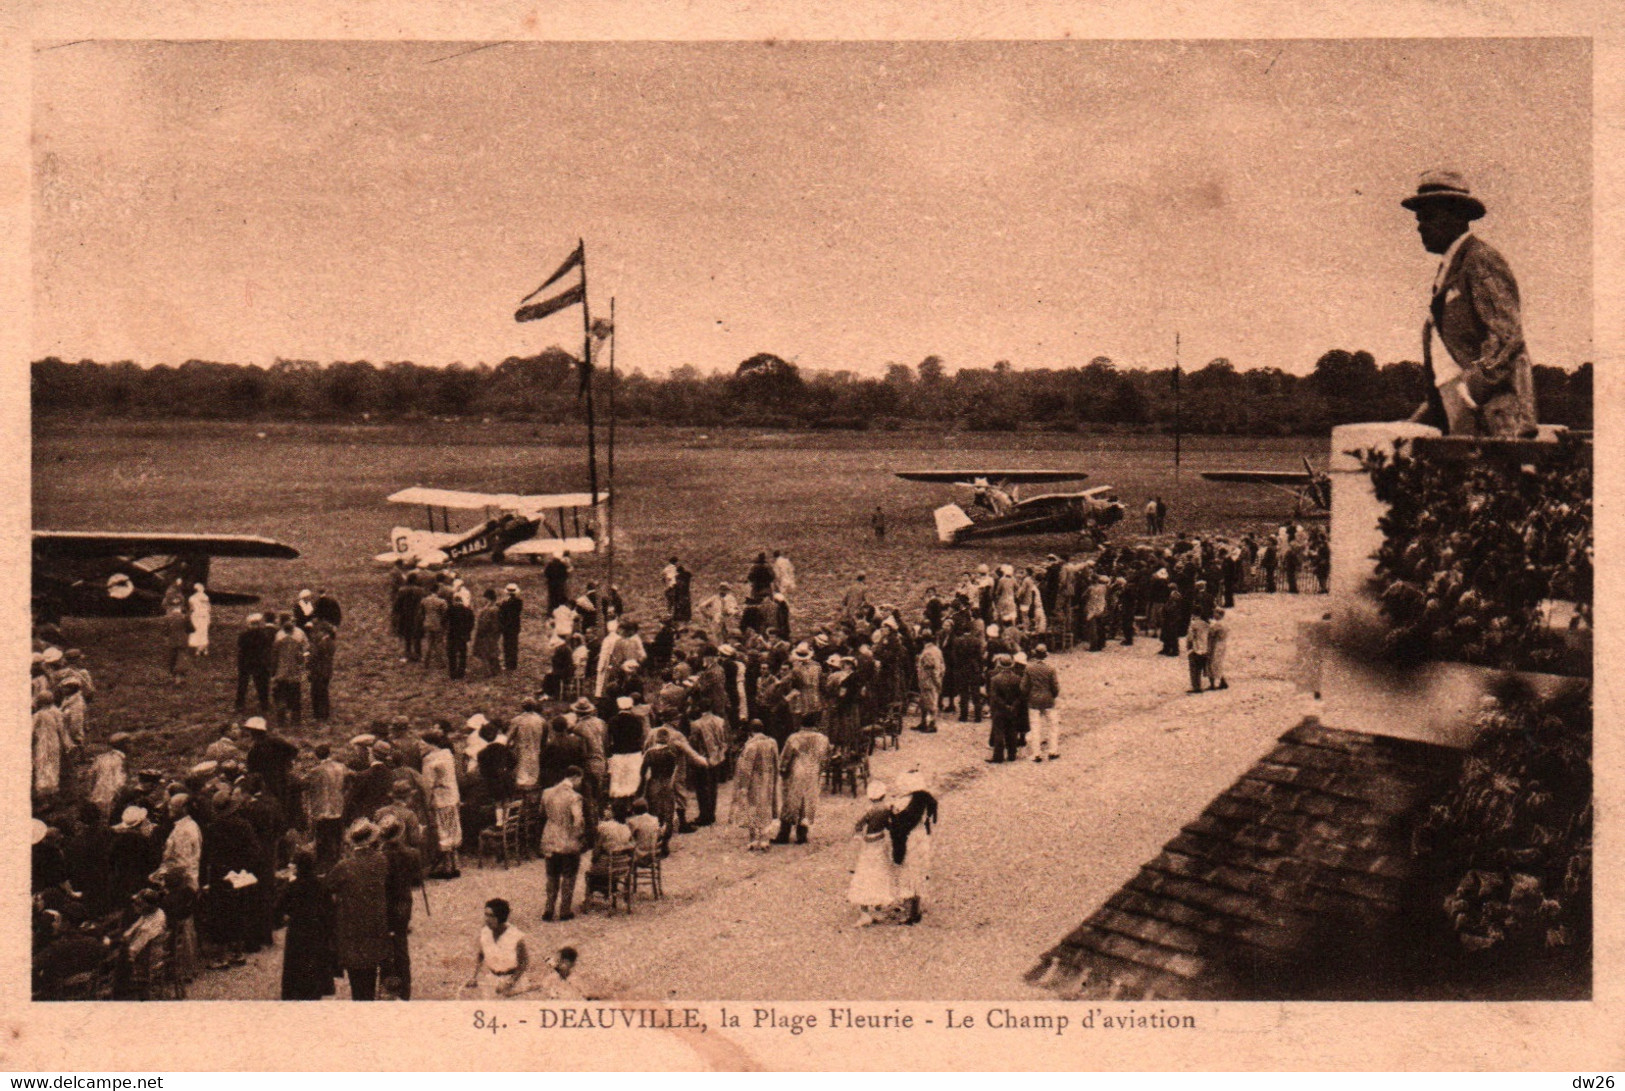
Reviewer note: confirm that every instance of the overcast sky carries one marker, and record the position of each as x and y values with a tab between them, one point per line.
845	205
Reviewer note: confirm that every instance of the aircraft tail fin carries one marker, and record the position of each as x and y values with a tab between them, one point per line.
951	519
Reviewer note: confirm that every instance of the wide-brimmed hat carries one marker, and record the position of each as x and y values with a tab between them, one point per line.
119	738
255	723
583	706
1444	187
623	702
364	740
132	817
802	652
877	791
361	833
205	768
512	589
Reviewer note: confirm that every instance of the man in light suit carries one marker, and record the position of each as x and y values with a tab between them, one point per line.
1483	383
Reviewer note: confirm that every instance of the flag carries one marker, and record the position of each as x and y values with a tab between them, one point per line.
568	298
571	262
602	329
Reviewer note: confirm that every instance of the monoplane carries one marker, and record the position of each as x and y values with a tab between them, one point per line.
125	574
996	510
529	527
1311	491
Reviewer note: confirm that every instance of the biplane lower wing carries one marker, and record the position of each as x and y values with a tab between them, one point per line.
550	547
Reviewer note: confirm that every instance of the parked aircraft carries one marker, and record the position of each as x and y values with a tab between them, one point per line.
1311	491
995	510
529	527
125	574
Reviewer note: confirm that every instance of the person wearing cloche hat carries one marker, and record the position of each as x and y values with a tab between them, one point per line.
1483	382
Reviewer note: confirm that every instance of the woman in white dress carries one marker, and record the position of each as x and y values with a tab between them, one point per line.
500	961
913	820
874	879
201	615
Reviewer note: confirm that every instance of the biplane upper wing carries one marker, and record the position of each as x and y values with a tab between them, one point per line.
90	544
1009	477
507	501
1260	477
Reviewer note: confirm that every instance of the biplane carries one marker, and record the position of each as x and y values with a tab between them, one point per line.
125	574
996	510
532	528
1311	491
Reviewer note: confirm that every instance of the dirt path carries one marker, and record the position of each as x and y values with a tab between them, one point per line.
1024	852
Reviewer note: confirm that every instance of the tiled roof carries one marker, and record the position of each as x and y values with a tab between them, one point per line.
1283	888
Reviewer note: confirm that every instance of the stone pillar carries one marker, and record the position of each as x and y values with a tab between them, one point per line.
1355	534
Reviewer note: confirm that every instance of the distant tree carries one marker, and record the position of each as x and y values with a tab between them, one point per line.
1128	405
766	383
932	371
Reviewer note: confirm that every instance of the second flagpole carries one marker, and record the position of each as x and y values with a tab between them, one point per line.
586	371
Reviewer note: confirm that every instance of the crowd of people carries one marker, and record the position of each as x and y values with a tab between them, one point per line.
143	877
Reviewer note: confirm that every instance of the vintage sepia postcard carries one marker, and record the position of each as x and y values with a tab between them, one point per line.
590	537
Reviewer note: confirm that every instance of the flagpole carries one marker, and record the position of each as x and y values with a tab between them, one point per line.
1176	407
614	334
586	368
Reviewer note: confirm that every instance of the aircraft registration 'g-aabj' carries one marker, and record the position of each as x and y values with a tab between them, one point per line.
125	574
995	511
531	527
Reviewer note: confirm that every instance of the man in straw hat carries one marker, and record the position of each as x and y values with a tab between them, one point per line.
1483	383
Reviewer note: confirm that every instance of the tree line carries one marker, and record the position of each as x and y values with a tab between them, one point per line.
768	391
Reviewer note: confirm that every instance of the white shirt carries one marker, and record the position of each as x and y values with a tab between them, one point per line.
1445	368
501	952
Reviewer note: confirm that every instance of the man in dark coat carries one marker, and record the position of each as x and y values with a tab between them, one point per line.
966	654
510	615
254	661
408	618
1007	706
328	608
272	758
459	631
360	886
319	667
557	574
405	876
